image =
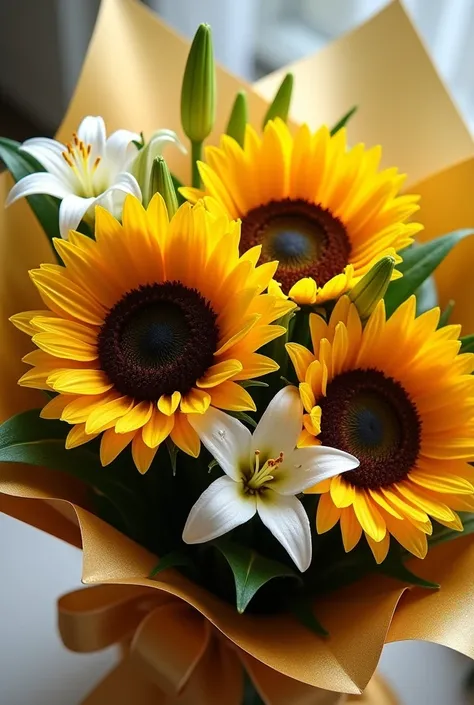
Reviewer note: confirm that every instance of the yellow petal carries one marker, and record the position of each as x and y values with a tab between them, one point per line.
307	396
419	498
66	298
231	397
301	358
65	347
168	403
196	401
55	407
368	516
327	514
408	536
23	321
79	381
307	440
112	444
184	436
304	291
135	418
315	415
219	372
142	454
351	530
255	365
157	429
379	548
342	492
79	408
319	488
77	436
105	415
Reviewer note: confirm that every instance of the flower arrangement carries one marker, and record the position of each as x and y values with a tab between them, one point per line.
253	413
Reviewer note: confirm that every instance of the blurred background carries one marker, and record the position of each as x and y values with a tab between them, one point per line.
42	47
43	43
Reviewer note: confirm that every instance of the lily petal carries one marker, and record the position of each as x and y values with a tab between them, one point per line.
222	507
286	518
280	425
39	183
226	438
49	153
120	149
92	131
112	199
307	466
71	211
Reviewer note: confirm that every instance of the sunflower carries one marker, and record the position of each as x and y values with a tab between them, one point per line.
323	211
151	322
398	396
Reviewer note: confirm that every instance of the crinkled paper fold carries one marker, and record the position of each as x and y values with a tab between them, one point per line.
132	77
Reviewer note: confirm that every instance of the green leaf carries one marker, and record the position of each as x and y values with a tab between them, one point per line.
21	164
419	262
394	567
175	559
343	121
446	314
26	438
252	383
443	533
303	611
251	571
280	107
426	296
467	344
242	416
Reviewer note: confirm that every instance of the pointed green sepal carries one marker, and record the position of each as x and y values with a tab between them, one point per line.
280	106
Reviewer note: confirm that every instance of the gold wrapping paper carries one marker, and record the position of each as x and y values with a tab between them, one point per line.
132	76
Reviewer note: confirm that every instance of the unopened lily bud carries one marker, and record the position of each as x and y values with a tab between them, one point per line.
372	287
198	93
280	106
143	163
162	183
238	118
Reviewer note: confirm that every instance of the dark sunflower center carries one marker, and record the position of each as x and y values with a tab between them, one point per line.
371	416
158	339
306	239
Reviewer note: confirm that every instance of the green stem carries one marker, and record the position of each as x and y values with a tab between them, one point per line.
196	153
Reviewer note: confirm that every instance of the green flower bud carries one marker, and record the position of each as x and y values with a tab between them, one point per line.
142	166
372	287
161	182
281	102
198	93
238	118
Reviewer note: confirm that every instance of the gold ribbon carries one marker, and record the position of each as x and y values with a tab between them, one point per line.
174	656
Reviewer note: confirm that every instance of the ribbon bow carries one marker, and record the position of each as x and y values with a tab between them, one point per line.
173	655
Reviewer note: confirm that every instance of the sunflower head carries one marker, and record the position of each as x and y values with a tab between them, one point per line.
324	211
148	323
398	395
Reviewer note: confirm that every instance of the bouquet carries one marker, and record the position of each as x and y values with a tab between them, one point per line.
247	404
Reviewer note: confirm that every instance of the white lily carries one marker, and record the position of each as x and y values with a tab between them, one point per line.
88	171
263	473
